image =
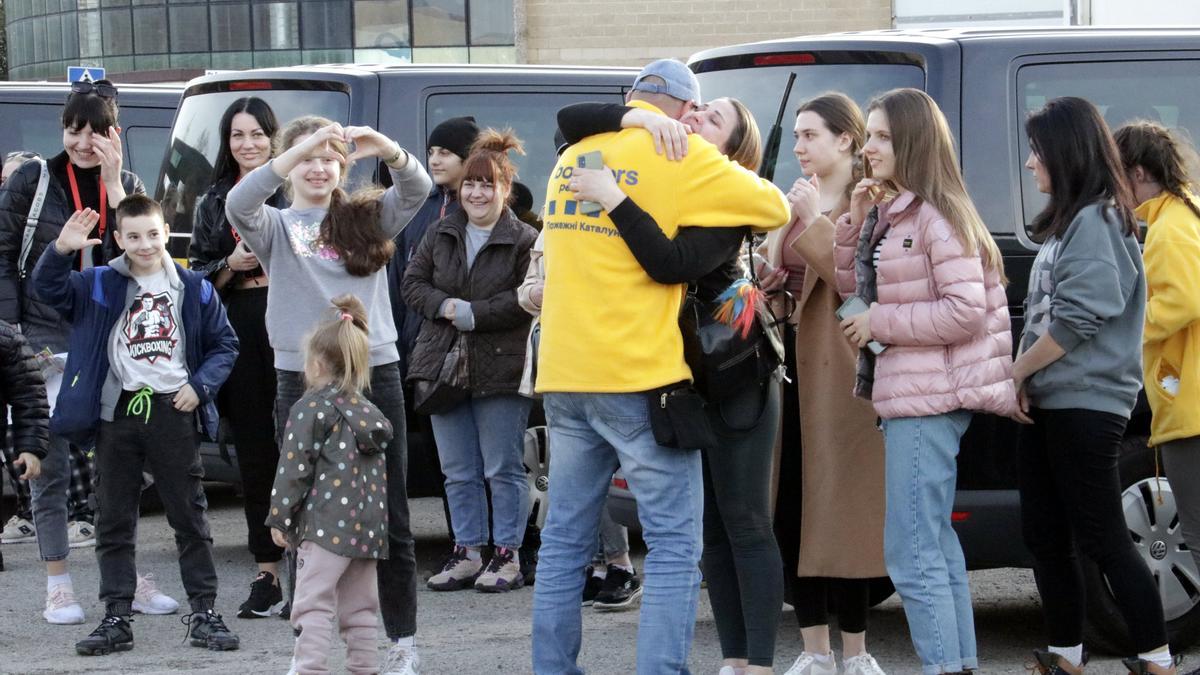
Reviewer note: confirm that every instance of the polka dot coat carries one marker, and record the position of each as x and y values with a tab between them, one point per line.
331	485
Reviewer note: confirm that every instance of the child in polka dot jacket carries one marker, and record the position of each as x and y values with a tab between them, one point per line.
329	499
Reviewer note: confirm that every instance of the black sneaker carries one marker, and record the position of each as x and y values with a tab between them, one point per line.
591	587
114	634
206	629
265	599
621	591
1049	663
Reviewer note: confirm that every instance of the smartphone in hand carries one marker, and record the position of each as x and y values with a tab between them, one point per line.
854	306
591	160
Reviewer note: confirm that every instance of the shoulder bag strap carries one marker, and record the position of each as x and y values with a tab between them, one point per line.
35	211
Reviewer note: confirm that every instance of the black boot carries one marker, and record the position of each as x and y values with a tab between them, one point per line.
114	634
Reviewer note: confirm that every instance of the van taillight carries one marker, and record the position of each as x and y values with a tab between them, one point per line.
959	516
621	483
249	85
802	59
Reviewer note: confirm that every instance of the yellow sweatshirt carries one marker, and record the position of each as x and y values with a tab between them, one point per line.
1171	339
606	326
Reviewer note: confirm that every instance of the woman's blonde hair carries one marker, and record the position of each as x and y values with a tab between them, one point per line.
351	224
927	165
339	344
744	145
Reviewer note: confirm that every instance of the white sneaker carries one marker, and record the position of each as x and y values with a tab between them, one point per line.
807	664
17	530
80	533
147	599
863	664
61	607
401	661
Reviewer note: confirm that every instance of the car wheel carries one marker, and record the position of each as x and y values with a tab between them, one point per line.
1150	513
537	471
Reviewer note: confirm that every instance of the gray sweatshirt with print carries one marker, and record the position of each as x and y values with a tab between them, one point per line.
305	275
1088	291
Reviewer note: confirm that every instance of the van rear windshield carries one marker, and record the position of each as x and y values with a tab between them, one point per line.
188	164
761	89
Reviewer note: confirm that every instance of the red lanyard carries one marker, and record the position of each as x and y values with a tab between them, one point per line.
79	202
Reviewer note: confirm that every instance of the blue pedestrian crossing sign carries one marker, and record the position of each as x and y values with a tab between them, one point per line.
90	74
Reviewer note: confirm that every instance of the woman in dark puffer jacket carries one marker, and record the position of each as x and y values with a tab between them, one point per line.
464	280
22	389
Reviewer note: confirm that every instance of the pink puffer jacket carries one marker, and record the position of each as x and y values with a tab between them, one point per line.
944	321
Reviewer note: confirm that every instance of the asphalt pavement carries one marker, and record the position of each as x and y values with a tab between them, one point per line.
462	632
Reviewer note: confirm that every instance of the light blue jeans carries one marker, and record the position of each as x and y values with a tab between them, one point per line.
484	439
590	436
49	496
923	556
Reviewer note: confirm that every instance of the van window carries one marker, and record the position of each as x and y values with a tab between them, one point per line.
31	126
143	151
760	89
1162	91
532	116
192	147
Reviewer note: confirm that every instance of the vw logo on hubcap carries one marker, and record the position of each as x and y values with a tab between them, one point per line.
543	484
1158	550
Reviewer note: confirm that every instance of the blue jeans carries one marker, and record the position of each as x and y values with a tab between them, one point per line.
923	556
590	436
483	439
50	499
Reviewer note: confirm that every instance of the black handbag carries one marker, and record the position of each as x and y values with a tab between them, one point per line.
725	358
452	386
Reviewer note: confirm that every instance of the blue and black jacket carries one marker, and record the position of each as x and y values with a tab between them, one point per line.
92	301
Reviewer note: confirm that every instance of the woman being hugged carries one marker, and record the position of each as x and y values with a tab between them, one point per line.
247	399
741	559
1156	161
1078	373
463	279
913	247
325	245
832	546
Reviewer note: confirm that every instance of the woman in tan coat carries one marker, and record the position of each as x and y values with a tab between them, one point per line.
830	506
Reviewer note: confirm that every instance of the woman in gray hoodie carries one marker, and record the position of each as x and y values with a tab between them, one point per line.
328	244
1078	374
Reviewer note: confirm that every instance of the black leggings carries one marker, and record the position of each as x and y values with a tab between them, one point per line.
1071	497
850	597
248	401
741	559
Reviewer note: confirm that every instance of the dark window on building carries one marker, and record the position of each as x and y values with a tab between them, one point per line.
492	22
439	23
70	36
150	30
276	26
380	24
230	27
118	32
189	29
325	25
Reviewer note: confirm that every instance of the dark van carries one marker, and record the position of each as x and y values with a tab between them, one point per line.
986	82
405	102
31	112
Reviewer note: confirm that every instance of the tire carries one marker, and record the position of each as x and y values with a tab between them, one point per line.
1158	537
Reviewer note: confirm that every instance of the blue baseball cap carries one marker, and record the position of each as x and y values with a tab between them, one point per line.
681	82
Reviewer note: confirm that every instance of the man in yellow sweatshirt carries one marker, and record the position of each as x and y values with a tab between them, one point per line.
609	335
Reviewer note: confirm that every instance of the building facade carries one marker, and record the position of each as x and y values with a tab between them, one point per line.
136	36
184	37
